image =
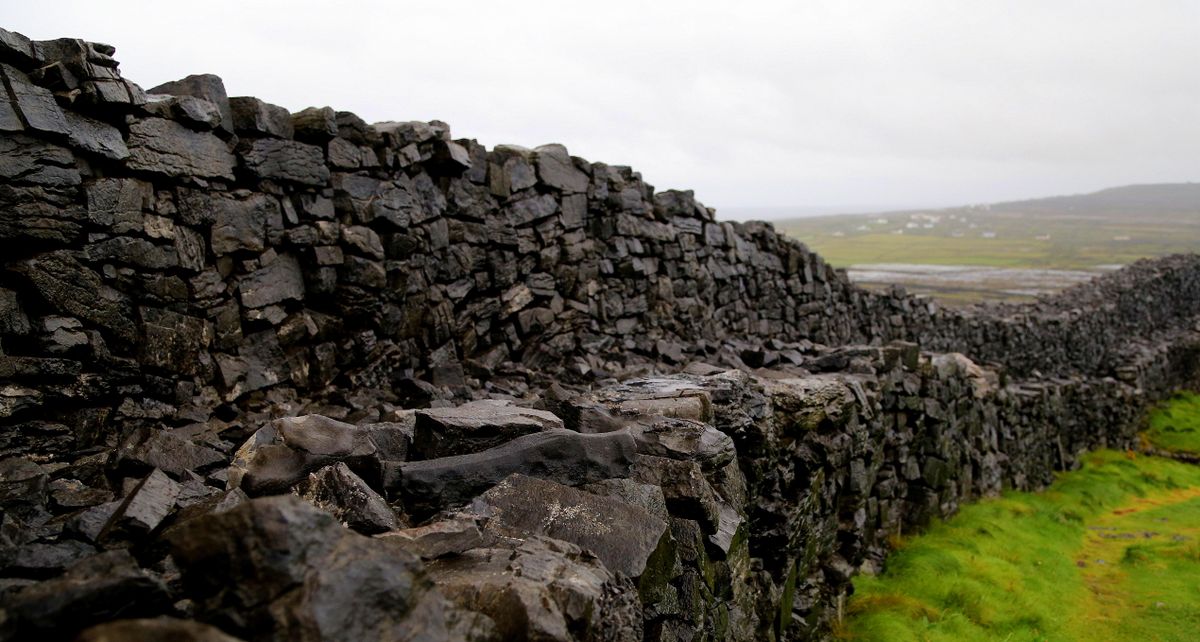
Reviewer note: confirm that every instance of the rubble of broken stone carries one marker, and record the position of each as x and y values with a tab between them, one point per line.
721	504
272	376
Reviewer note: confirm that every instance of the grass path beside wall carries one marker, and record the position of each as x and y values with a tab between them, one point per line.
1109	552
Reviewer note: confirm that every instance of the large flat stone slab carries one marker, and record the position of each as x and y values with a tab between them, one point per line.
562	455
622	535
475	426
167	147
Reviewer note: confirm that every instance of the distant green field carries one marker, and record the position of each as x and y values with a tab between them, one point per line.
998	240
1110	552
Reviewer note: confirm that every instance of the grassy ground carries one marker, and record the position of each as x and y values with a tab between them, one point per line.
989	239
1018	241
1176	427
1109	552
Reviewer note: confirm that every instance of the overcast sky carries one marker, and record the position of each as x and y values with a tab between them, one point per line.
815	105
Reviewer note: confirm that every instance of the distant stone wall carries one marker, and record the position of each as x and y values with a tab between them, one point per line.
180	265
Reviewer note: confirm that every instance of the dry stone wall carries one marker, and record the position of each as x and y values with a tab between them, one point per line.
504	394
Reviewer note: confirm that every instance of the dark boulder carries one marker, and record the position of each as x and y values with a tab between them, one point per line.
24	159
278	281
285	160
70	287
452	536
622	535
163	629
315	125
253	117
687	492
143	509
562	455
35	105
167	147
347	497
282	453
205	86
685	440
283	569
149	448
556	169
542	589
475	426
96	136
40	559
100	588
241	223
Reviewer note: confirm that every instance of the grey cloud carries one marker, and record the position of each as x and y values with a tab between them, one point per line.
758	104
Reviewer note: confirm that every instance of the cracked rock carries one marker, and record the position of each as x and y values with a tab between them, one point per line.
282	453
347	497
622	535
167	147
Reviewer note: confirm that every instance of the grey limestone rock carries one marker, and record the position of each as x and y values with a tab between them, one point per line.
175	342
510	169
315	125
281	280
688	494
285	570
74	289
450	158
556	169
364	240
149	448
453	536
241	223
475	426
684	439
532	210
286	160
542	589
143	509
196	113
347	497
253	117
13	320
97	589
182	271
17	49
165	147
565	456
96	136
28	160
30	105
204	86
282	453
622	535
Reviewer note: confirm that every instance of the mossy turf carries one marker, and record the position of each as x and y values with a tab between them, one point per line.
1108	552
1176	426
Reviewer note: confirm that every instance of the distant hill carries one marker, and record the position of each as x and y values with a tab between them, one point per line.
1078	232
1163	199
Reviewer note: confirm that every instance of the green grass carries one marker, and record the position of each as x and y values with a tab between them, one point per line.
1109	552
1176	427
1020	240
